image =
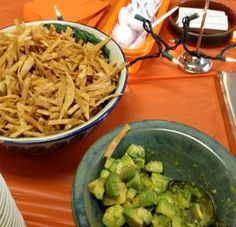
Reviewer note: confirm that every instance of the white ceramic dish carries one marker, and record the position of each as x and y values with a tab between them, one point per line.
59	140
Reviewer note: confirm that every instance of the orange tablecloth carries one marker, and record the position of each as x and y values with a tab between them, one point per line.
41	185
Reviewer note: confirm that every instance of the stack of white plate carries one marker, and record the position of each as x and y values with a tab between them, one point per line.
10	216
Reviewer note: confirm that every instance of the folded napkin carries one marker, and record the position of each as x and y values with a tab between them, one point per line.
84	11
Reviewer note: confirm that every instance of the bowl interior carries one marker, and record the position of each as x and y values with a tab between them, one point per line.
116	55
186	153
219	37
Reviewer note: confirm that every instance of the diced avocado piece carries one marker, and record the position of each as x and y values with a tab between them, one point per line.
131	193
138	217
154	167
128	172
132	218
135	183
108	163
160	182
145	199
184	198
120	199
127	160
197	192
166	208
145	214
116	166
178	222
170	197
113	185
147	183
127	204
97	188
136	151
108	201
140	163
161	221
113	216
104	173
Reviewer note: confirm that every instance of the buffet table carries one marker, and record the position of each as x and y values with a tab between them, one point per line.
41	185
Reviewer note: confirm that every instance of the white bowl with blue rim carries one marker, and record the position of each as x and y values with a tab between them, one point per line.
60	140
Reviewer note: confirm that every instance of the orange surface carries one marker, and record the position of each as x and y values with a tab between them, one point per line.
41	185
83	10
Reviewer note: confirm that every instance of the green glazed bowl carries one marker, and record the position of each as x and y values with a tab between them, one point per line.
187	154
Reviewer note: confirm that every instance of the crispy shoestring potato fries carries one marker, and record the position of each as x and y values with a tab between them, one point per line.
50	83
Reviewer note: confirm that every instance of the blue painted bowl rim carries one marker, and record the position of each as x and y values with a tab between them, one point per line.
93	121
218	150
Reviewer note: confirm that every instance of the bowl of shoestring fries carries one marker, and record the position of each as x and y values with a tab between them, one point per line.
58	80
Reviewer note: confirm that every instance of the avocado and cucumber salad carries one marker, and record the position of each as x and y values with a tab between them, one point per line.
135	193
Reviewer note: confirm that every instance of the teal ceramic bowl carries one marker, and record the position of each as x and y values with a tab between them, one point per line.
187	154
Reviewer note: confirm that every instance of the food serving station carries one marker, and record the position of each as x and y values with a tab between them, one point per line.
156	88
